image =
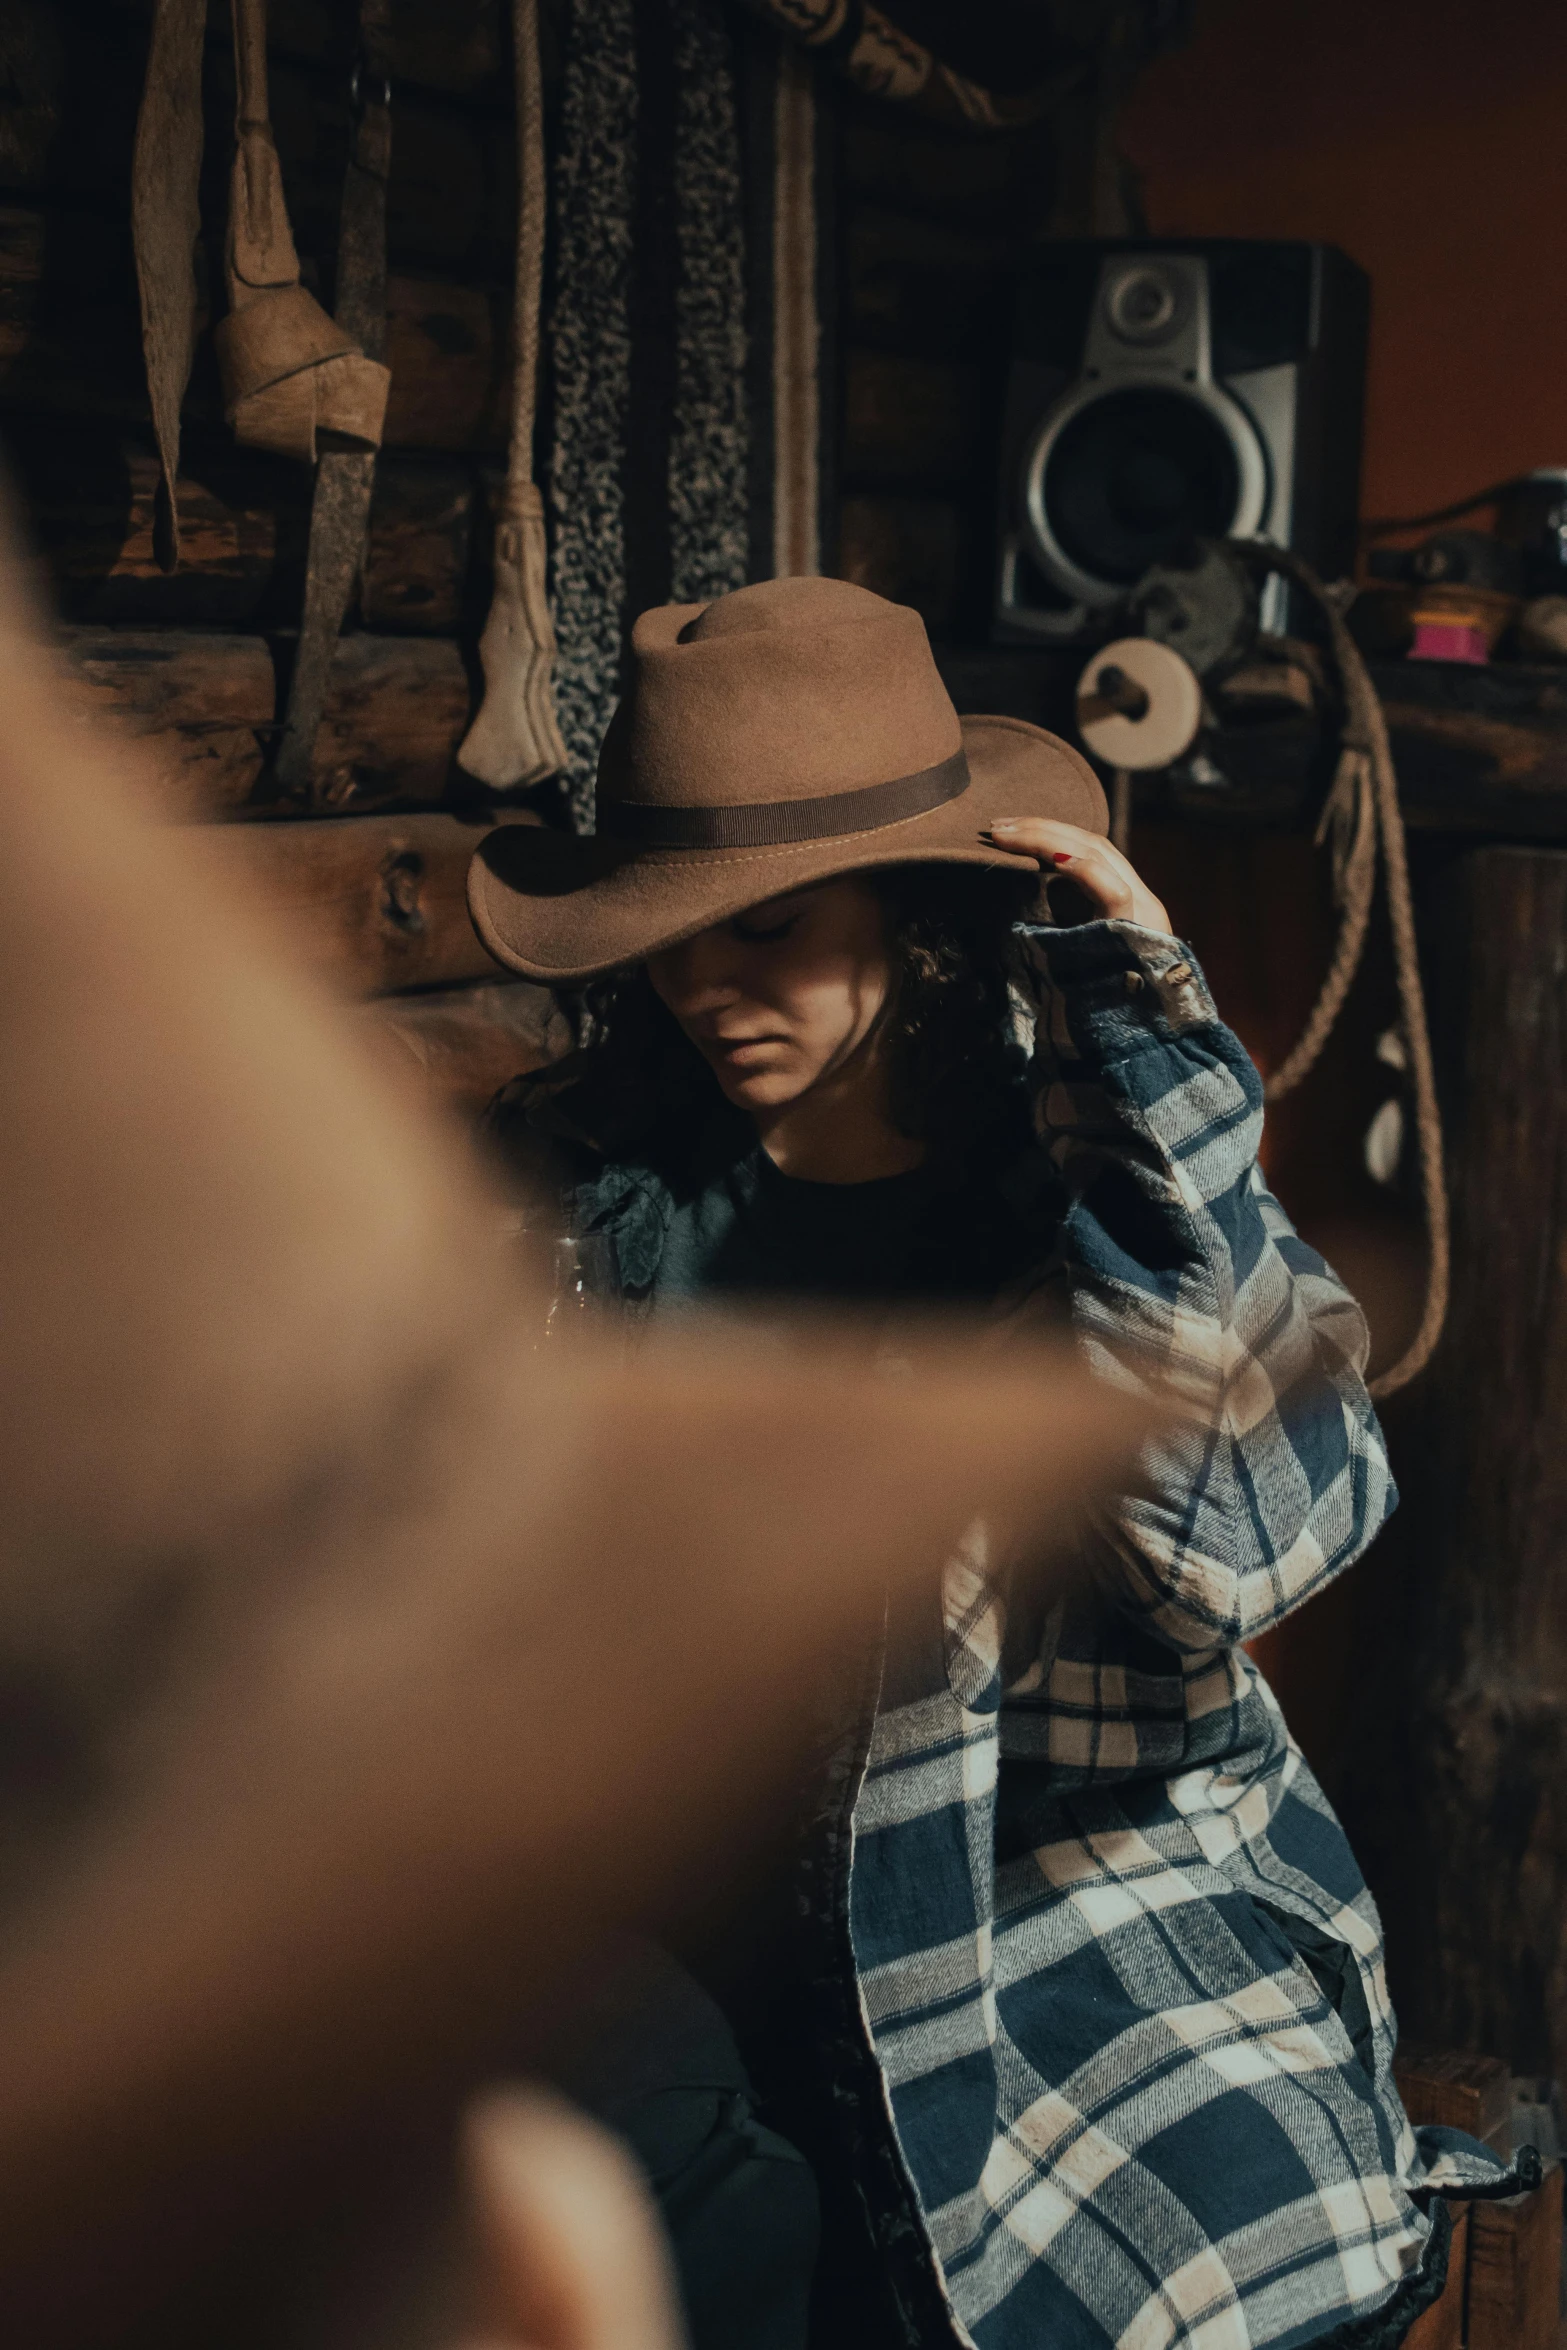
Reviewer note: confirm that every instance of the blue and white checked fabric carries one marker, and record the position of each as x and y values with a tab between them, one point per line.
1121	1976
1113	1961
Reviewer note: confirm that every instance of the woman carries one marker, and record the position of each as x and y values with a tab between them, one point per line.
1105	2010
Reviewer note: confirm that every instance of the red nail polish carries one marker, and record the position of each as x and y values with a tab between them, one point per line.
1060	856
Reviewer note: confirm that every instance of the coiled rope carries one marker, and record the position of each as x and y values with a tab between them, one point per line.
1360	817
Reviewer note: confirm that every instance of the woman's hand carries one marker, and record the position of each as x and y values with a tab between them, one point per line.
1087	859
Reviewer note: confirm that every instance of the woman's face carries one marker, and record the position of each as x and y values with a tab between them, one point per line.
783	996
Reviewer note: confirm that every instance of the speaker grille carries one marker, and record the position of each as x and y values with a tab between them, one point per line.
1136	475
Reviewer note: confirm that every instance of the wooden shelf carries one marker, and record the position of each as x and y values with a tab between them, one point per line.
1480	750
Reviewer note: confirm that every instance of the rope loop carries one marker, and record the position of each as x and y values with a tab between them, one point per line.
1361	815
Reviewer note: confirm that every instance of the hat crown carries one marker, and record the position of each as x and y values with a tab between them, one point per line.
779	604
790	689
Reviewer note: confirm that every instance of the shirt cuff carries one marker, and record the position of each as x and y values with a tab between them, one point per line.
1121	985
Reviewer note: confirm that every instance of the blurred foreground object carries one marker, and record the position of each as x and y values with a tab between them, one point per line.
362	1663
573	2252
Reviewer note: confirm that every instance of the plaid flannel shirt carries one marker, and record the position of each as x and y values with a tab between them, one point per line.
1115	1974
1120	1974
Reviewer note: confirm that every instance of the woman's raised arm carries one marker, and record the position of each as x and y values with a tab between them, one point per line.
1186	1274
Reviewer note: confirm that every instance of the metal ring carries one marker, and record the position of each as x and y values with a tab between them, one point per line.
379	86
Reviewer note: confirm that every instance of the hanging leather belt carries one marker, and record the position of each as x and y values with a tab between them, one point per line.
294	381
165	223
345	477
515	738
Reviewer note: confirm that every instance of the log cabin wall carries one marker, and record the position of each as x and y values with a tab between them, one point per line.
917	265
199	657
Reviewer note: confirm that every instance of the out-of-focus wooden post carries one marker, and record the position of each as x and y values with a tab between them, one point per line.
1482	1949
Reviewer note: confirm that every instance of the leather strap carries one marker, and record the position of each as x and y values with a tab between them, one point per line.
345	478
770	824
165	223
515	739
289	372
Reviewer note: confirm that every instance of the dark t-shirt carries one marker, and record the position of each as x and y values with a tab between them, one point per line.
755	1232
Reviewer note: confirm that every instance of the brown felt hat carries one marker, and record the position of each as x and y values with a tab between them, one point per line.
788	732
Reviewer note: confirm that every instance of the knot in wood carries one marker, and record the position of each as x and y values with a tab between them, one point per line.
402	877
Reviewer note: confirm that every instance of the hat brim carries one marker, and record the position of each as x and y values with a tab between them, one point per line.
562	908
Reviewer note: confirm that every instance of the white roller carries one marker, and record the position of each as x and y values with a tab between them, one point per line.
1137	670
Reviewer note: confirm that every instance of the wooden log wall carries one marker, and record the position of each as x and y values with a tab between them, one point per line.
935	228
1453	1761
932	229
199	659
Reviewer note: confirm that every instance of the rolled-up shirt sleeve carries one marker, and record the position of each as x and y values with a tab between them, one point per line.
1185	1276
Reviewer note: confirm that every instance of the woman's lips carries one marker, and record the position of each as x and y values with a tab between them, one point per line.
738	1050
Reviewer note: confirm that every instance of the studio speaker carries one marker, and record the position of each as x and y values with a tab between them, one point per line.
1160	393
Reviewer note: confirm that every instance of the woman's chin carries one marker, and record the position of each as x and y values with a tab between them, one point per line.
757	1089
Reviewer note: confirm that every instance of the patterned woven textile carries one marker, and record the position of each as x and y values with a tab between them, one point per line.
648	484
1121	1975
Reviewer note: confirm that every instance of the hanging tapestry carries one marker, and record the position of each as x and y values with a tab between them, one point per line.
649	470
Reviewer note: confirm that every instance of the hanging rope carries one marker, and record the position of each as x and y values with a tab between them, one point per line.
165	224
515	738
1361	816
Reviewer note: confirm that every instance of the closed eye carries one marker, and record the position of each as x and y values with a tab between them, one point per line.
758	936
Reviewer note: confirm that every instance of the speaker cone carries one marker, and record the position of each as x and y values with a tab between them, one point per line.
1133	476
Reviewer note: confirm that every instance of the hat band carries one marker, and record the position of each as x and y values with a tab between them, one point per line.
767	824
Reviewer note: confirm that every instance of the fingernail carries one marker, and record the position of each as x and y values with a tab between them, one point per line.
1004	824
1060	856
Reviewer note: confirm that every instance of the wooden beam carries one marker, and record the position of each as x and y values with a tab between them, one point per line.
81	353
82	67
907	548
914	286
69	129
89	497
451	199
420	546
449	349
1454	2090
467	1042
1000	183
1515	2270
459	48
1479	748
912	421
1472	1808
376	903
208	697
88	494
396	710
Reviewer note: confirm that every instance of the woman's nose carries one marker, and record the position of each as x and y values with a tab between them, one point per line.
697	977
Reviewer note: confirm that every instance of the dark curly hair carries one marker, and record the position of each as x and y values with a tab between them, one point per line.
953	1066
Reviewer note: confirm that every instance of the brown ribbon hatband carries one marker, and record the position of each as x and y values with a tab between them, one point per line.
769	824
